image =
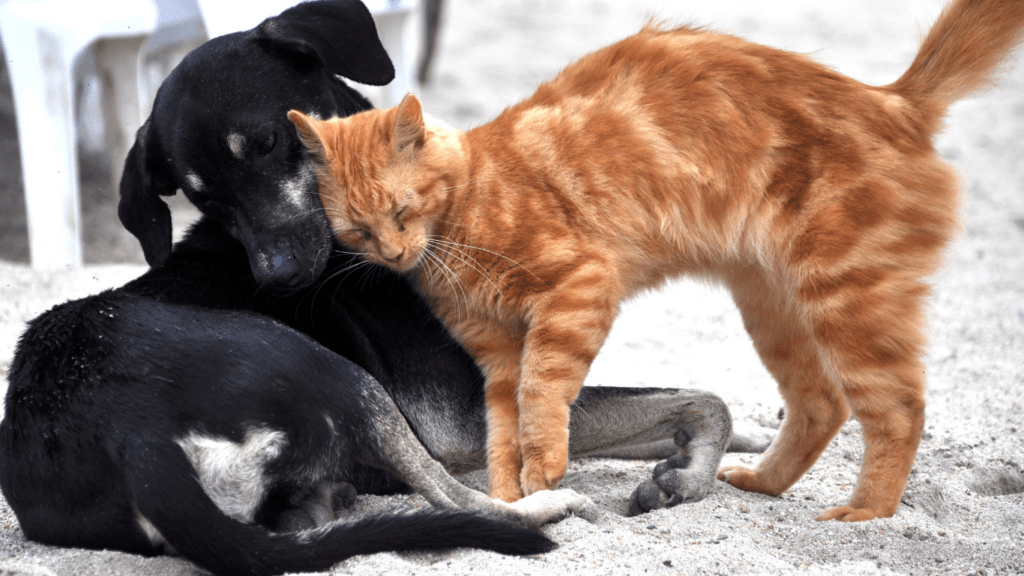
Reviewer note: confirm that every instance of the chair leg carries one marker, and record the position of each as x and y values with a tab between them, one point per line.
118	60
391	27
431	26
42	85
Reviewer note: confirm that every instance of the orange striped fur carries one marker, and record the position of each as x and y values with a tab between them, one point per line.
818	201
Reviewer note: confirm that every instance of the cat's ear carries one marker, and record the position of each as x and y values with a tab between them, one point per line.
309	132
409	131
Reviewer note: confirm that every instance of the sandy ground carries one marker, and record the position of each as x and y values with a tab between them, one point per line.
963	511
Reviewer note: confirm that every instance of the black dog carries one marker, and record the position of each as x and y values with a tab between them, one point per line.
229	392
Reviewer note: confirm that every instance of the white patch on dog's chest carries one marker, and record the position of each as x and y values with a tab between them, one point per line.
231	473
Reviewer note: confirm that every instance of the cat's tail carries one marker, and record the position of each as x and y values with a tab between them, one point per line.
962	53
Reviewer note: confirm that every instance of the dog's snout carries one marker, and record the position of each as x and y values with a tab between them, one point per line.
280	261
278	268
284	271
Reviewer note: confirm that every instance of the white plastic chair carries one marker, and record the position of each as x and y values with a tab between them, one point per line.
179	29
43	40
391	17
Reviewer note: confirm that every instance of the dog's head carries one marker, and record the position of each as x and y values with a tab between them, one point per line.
219	132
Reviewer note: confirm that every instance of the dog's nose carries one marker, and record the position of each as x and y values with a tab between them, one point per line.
279	269
282	272
284	266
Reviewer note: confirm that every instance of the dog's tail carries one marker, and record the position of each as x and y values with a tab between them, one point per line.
961	54
170	498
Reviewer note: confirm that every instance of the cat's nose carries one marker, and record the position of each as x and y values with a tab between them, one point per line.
396	259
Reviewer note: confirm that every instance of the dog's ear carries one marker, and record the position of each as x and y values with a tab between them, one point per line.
141	210
338	34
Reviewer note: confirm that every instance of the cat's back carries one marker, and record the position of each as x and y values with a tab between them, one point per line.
665	60
682	97
666	101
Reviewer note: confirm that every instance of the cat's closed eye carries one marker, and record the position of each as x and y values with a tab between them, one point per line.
398	218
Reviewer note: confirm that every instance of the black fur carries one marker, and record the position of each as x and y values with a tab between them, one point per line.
96	404
243	84
256	322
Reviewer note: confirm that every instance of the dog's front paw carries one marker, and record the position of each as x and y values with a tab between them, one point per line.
546	506
671	484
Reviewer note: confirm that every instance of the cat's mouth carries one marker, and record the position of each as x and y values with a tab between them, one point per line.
403	263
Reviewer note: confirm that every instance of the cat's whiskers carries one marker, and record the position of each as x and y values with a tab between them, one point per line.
448	274
335	211
317	257
348	270
302	215
459	246
454	252
336	207
323	282
346	252
442	242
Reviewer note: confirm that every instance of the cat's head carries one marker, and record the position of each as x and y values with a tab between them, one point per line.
382	178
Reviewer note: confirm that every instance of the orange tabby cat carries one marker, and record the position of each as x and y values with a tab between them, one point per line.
819	201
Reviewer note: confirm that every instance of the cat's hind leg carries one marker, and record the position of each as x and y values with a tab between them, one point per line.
875	342
816	406
834	348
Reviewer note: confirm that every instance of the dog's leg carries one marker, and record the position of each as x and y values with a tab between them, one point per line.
689	427
393	446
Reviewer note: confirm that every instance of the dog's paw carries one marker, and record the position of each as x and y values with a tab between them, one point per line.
671	484
546	506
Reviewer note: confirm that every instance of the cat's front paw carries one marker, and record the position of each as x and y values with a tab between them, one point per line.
505	488
748	480
671	484
542	472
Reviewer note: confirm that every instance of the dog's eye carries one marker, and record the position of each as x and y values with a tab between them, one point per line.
267	145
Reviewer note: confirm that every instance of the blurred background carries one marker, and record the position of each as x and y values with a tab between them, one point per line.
489	53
